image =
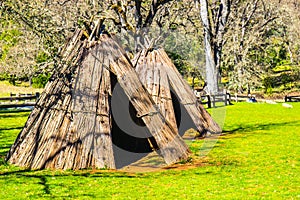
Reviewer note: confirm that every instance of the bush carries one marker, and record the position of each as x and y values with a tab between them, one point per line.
10	78
40	81
268	84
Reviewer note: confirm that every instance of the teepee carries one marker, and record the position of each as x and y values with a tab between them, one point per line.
73	124
172	94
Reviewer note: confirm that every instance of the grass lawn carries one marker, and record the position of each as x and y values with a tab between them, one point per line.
6	88
258	157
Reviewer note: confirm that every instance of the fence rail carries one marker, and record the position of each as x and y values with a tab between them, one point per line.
19	100
211	100
292	98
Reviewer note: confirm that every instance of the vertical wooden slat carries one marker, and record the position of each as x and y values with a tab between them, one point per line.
157	60
158	85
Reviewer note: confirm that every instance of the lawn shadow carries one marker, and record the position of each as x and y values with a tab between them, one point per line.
249	128
45	178
12	113
11	128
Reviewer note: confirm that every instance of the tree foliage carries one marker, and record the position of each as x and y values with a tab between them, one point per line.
256	43
248	39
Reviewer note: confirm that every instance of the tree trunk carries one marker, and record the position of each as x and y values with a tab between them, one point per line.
211	77
214	20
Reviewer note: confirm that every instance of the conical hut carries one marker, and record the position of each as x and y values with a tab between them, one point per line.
174	97
74	126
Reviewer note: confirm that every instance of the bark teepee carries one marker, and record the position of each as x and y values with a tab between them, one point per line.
72	125
172	94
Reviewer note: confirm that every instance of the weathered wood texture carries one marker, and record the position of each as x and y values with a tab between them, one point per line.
159	75
70	126
155	80
170	145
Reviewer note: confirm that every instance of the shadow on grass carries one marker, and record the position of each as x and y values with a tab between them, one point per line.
248	128
14	114
3	111
45	179
11	128
69	173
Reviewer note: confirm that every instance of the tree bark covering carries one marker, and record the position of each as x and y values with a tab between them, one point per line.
160	76
70	127
71	124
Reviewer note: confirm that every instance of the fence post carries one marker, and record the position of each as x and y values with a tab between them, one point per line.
225	98
229	98
37	96
17	95
208	101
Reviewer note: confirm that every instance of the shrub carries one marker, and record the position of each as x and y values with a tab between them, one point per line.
268	85
40	80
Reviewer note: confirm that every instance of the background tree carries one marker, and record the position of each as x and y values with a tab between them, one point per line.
42	27
256	43
34	31
214	16
139	23
290	16
251	25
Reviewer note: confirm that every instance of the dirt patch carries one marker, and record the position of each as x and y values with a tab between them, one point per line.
150	163
154	163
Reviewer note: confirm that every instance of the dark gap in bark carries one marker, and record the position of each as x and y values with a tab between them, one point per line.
183	120
130	143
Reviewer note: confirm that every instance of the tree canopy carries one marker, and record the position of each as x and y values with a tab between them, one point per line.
251	40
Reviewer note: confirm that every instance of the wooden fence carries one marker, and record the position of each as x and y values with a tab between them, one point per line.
212	100
240	97
19	100
292	98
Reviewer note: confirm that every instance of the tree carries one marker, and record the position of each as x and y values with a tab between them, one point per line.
53	21
250	22
255	43
214	16
141	23
19	52
43	27
290	17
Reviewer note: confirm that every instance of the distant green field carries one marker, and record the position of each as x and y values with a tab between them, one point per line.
258	157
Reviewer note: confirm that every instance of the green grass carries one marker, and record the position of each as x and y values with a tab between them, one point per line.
258	157
6	88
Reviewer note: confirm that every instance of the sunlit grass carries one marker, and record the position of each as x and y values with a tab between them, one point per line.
6	88
257	157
